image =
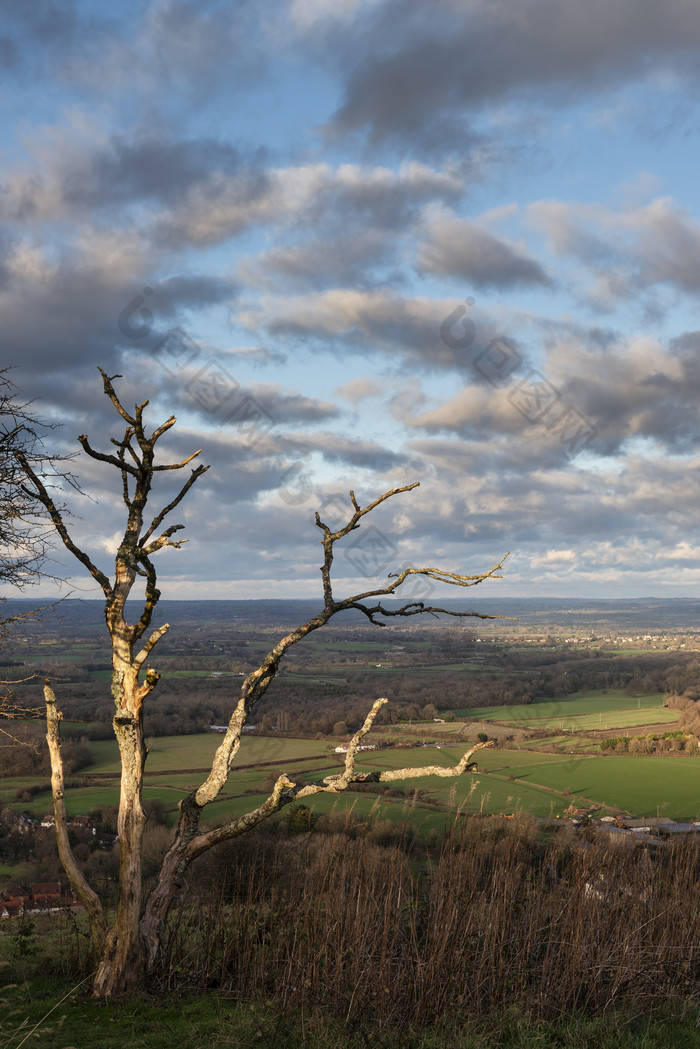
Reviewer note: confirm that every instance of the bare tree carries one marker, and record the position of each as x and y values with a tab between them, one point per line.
22	535
130	947
23	526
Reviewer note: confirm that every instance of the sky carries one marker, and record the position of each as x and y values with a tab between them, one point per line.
353	244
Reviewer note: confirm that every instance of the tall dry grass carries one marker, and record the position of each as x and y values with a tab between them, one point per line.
494	918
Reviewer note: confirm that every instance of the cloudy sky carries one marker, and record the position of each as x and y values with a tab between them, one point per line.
360	243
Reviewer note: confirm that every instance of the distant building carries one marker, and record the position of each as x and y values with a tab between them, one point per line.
41	896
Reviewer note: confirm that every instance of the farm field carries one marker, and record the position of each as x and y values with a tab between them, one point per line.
581	711
643	786
106	674
616	719
197	751
170	772
541	782
507	780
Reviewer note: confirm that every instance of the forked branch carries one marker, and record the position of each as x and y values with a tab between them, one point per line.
258	681
285	791
411	608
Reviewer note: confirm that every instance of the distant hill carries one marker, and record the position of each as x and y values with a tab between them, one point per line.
638	615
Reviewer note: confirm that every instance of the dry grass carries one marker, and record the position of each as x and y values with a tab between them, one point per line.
494	919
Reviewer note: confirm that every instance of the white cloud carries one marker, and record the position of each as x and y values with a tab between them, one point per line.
554	559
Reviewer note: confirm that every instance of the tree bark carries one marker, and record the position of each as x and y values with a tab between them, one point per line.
89	899
123	966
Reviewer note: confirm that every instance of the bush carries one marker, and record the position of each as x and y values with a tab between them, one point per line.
299	819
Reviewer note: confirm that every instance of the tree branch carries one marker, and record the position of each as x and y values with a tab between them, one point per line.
112	394
153	640
415	608
258	681
88	897
179	466
102	457
59	524
360	512
285	791
157	520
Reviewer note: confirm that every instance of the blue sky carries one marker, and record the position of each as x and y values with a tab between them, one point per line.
309	190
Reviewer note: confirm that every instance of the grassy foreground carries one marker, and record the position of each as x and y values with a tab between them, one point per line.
357	934
38	1014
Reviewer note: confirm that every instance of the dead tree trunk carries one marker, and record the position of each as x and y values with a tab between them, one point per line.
123	964
130	948
88	897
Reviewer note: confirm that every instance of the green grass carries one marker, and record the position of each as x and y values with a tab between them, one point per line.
433	668
542	783
580	711
644	786
48	1016
353	646
197	751
640	785
53	1014
310	679
613	720
493	793
167	777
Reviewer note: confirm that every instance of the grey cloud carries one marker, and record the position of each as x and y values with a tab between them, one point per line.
196	48
637	389
358	453
385	198
189	291
350	259
201	46
146	168
258	356
358	390
527	502
359	216
230	404
200	190
670	247
335	200
9	53
44	35
408	62
569	229
462	249
515	443
292	409
626	390
43	21
35	25
627	251
406	330
64	324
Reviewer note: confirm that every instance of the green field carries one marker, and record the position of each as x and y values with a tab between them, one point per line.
197	751
580	712
171	772
541	783
643	786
